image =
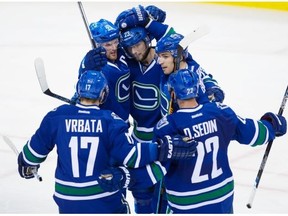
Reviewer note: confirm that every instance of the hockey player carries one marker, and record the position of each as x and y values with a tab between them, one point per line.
167	50
90	140
145	79
204	184
145	104
145	74
106	36
208	180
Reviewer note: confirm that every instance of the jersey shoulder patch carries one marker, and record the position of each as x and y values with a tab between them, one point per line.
115	116
162	122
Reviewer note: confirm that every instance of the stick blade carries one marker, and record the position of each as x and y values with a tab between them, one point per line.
40	71
194	35
10	144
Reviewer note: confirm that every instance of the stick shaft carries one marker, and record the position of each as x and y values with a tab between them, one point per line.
266	154
86	23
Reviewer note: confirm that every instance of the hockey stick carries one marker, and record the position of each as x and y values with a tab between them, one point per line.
15	150
40	71
265	157
86	24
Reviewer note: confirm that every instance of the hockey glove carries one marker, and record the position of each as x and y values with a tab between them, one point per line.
121	17
95	59
156	13
176	148
114	178
137	16
278	123
26	171
215	94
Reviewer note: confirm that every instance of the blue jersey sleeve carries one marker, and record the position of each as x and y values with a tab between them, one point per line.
157	29
42	142
253	132
244	130
148	175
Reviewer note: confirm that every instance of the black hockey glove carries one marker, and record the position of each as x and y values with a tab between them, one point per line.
156	13
176	148
95	59
278	123
114	178
26	171
215	94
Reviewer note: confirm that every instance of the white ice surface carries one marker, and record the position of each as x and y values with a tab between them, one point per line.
246	51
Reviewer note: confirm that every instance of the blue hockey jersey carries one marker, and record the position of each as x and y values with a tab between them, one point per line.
145	104
88	141
118	77
145	98
205	183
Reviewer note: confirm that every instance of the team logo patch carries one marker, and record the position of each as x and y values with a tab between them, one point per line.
163	122
115	116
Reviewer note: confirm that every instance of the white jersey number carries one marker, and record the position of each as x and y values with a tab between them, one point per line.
202	150
74	146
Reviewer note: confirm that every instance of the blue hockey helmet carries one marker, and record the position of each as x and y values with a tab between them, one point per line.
103	31
184	83
92	84
133	36
169	43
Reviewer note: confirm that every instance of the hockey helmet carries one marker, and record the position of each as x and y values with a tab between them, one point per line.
184	83
92	84
133	36
103	31
170	43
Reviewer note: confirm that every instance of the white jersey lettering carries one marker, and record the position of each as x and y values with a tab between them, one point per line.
83	125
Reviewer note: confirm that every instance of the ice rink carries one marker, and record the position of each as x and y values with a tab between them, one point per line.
246	50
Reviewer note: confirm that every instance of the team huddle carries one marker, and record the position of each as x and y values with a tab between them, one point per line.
175	158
